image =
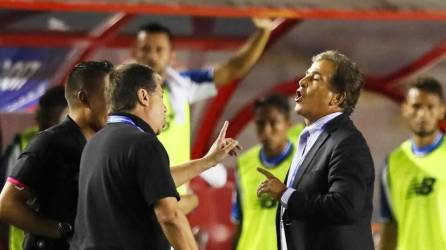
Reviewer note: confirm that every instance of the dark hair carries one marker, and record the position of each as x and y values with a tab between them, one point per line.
54	96
428	84
278	101
123	84
347	79
156	28
85	76
51	106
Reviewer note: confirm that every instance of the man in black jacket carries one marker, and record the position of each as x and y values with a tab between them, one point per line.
326	200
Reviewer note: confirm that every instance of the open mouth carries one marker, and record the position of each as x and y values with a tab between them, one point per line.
298	97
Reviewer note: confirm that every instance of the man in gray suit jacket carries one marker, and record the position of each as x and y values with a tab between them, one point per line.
326	200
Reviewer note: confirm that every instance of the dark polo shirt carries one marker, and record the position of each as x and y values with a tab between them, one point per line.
49	168
124	172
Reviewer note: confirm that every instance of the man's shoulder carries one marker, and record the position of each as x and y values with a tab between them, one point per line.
346	129
249	154
254	150
134	138
347	135
59	131
125	135
146	139
50	137
400	149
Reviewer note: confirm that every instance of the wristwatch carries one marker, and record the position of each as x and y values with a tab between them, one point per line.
65	230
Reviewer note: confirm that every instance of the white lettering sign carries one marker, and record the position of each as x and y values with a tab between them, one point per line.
14	75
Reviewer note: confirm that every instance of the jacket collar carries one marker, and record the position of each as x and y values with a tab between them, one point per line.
329	128
138	121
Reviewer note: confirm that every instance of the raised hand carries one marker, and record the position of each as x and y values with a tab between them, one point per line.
272	186
265	23
222	146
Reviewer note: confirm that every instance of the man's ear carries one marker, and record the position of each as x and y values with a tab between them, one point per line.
337	99
82	96
143	97
443	111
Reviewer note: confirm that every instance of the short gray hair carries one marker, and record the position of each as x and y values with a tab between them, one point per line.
347	78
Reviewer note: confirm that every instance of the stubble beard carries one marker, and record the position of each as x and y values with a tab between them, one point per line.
424	133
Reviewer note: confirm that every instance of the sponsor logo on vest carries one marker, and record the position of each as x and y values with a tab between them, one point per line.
423	188
266	202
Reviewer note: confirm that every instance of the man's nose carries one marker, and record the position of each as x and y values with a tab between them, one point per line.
302	82
265	132
151	55
422	112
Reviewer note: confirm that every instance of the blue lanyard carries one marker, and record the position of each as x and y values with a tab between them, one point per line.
429	148
274	161
122	119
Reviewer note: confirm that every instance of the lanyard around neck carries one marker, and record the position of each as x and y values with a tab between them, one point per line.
122	119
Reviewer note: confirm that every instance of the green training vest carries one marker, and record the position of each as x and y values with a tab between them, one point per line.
294	132
175	137
417	189
258	230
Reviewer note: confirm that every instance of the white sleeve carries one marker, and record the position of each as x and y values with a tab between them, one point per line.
200	84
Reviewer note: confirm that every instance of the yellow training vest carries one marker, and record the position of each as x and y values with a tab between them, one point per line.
258	230
294	132
417	189
175	137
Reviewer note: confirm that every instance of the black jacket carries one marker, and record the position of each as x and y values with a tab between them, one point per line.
331	208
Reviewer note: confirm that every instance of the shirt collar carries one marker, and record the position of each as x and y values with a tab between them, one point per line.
321	122
76	130
274	161
138	121
422	151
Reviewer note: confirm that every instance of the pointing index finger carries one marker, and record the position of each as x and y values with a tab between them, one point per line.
266	173
222	133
